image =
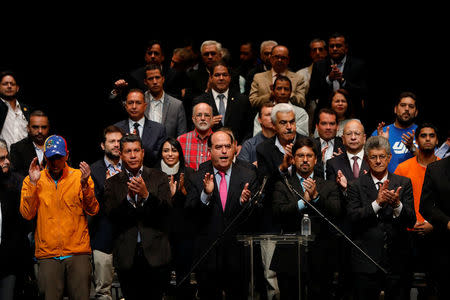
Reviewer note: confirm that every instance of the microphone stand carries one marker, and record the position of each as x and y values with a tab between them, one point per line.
250	202
293	191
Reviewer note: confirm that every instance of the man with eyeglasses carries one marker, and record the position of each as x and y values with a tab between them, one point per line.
195	143
230	107
380	207
261	88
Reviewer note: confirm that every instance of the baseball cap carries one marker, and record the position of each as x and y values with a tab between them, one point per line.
55	144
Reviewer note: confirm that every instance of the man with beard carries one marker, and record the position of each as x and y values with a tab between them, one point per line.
422	233
14	246
401	133
25	150
195	142
14	115
100	228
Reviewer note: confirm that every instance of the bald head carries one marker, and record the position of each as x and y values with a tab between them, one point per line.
354	136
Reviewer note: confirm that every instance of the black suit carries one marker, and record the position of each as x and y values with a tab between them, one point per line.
322	255
238	114
223	268
22	153
355	75
338	144
141	267
435	208
153	136
383	237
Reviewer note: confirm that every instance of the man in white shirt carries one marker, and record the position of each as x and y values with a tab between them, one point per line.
13	115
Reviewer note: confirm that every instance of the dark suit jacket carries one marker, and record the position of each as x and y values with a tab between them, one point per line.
100	227
149	220
381	236
342	163
238	115
15	250
435	208
153	137
173	116
26	110
355	75
212	220
338	144
22	153
285	207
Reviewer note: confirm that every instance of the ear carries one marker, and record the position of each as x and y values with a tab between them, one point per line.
102	145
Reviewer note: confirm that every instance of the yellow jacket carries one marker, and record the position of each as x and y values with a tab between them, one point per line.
61	209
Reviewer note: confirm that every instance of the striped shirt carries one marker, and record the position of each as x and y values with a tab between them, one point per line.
195	149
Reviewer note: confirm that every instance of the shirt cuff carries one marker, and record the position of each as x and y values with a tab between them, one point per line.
376	207
204	197
301	205
397	210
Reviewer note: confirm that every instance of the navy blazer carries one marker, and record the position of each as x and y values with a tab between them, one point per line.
381	236
153	136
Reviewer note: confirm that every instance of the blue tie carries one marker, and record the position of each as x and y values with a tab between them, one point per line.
222	107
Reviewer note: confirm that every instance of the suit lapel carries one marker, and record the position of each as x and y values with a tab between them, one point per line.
146	133
165	109
295	183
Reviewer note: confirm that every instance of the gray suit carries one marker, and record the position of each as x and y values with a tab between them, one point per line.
173	115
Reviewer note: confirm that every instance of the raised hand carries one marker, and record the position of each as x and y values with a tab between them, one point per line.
393	197
136	185
382	198
182	187
85	173
246	194
34	171
341	180
339	152
310	187
208	183
408	140
380	131
172	185
287	159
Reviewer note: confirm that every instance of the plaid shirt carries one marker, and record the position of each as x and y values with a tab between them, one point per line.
195	149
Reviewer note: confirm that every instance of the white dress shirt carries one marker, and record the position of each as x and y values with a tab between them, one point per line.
15	126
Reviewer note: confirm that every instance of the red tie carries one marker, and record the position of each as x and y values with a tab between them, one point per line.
355	166
223	189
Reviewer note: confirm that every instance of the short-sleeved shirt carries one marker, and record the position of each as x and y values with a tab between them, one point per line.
195	149
398	150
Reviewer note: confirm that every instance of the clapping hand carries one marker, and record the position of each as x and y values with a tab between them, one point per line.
246	194
34	171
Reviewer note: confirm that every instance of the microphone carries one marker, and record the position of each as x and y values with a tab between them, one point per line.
294	192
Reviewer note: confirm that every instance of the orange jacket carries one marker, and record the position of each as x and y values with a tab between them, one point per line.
61	209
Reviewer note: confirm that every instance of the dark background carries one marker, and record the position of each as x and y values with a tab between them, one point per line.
67	61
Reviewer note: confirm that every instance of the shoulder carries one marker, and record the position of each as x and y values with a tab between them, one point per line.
99	164
20	144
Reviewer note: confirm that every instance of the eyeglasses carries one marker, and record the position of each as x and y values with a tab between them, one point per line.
350	133
199	115
280	57
381	157
217	75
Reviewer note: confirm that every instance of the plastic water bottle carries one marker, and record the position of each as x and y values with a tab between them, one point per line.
306	225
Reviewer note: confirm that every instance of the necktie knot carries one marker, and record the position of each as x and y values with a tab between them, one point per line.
136	128
379	184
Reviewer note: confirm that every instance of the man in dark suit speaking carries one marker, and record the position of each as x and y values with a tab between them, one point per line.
380	208
137	201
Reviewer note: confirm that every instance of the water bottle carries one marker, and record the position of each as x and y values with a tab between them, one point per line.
306	225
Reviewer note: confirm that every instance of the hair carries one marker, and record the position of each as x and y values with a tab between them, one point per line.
265	104
111	129
349	113
3	144
282	78
150	43
280	107
38	113
8	73
425	125
317	40
130	138
174	143
273	48
377	142
209	43
405	95
328	111
225	130
135	90
186	56
338	35
305	141
210	107
153	66
267	43
220	62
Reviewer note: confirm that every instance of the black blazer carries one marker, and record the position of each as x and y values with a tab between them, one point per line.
212	220
153	136
238	115
22	153
26	110
338	144
286	212
381	236
15	250
100	227
150	219
341	162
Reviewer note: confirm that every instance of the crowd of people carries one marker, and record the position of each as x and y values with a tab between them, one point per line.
181	176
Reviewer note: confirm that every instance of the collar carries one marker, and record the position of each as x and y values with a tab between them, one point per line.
197	135
279	146
275	73
129	174
342	62
108	163
360	155
215	93
375	180
170	170
330	142
160	100
141	122
9	105
227	172
302	178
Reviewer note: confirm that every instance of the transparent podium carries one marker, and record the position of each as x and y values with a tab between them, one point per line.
250	240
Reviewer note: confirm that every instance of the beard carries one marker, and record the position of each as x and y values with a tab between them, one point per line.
405	123
111	155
